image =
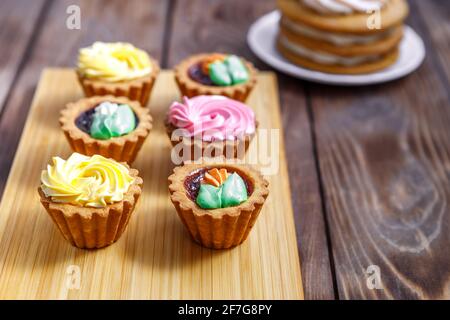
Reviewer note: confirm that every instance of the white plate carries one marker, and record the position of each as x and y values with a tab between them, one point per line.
262	37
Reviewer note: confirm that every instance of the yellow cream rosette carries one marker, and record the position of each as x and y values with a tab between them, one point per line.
86	181
113	62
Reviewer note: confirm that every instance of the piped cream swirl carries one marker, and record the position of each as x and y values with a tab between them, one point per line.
212	118
86	181
113	62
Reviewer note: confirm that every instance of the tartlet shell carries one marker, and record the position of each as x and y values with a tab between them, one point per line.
136	90
91	228
220	146
122	149
221	228
191	88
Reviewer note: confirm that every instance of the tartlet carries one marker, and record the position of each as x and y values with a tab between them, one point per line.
88	217
210	127
212	226
122	148
192	78
117	69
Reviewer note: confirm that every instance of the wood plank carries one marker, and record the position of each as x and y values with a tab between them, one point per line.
19	21
317	269
202	26
56	45
437	32
154	259
384	157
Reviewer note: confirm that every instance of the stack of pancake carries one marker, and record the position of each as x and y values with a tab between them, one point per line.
341	36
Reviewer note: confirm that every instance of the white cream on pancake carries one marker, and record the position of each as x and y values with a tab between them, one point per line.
337	39
344	6
325	58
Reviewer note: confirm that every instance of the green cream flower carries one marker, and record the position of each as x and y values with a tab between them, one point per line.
112	120
230	194
228	72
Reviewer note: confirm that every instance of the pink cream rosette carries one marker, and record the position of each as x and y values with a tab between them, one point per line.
215	120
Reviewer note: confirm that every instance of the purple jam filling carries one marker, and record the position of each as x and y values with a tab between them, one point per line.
84	120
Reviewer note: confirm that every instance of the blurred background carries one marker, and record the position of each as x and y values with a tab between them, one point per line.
369	166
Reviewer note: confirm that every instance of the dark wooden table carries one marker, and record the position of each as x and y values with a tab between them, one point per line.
369	167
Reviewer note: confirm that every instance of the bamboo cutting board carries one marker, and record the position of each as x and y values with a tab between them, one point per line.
154	258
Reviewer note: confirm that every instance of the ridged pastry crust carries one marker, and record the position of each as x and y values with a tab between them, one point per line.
90	228
136	90
239	147
224	227
122	149
191	88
